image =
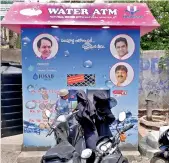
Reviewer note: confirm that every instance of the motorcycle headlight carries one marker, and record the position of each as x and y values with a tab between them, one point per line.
103	148
108	145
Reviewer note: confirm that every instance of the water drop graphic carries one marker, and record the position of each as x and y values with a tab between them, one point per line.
104	76
31	68
35	76
25	57
30	105
88	64
26	39
30	88
108	83
66	53
74	67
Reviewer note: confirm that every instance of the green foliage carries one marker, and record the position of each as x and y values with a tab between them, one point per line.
158	39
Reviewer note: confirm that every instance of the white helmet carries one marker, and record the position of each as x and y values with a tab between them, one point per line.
63	92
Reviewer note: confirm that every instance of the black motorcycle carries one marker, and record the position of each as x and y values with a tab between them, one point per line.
63	151
107	150
163	155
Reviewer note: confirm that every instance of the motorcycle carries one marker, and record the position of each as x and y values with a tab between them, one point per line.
63	151
163	155
107	150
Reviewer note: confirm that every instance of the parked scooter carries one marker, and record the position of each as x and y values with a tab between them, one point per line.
107	150
63	151
163	155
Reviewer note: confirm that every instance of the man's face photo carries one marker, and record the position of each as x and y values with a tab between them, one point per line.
44	47
121	73
121	47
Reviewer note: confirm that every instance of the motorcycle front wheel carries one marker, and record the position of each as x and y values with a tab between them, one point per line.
158	160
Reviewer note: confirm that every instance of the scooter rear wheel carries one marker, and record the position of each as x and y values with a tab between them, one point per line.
158	160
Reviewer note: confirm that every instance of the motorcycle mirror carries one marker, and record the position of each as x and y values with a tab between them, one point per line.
122	116
48	113
86	153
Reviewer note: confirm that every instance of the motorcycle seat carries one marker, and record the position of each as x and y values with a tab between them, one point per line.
63	151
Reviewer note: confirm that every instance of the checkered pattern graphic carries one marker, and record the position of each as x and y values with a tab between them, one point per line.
89	80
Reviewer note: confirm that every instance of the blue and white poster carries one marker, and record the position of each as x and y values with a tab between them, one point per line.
87	59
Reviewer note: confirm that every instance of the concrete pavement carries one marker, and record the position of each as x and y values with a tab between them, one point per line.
9	156
12	143
12	146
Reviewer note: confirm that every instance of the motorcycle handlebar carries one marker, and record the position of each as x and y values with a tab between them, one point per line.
67	117
50	132
127	128
124	130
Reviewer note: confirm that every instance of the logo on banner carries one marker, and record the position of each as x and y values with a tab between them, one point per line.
43	76
132	10
120	92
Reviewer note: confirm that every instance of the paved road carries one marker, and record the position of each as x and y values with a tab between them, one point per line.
141	160
11	157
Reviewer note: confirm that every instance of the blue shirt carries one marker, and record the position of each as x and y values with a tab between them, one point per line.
63	106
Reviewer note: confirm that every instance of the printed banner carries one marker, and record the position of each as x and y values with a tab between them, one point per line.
135	15
92	60
111	14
